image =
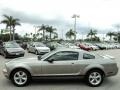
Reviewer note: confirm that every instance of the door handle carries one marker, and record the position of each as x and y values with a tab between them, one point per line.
72	63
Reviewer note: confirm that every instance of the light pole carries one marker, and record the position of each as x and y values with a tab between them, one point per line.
36	30
75	16
118	27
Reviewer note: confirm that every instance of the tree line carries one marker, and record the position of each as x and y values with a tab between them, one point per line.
45	32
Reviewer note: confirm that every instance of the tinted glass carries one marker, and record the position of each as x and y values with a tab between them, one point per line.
39	45
12	45
65	55
88	56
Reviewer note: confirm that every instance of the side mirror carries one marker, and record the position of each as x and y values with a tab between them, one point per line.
50	60
33	45
2	46
39	57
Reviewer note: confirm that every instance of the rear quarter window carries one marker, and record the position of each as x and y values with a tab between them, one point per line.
88	56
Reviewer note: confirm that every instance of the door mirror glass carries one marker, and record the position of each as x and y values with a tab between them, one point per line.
88	56
39	57
33	45
50	60
2	46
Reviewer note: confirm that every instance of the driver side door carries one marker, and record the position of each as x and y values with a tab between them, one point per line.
63	63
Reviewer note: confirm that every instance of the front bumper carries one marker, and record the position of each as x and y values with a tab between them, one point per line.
15	54
43	51
5	73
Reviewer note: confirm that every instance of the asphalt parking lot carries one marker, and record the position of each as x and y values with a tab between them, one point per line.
111	83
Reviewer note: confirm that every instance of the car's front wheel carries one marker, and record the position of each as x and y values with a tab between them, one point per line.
28	50
20	77
94	78
36	52
5	55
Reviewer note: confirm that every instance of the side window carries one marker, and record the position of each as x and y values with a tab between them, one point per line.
88	56
64	55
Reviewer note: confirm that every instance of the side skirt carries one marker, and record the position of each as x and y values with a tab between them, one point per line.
58	77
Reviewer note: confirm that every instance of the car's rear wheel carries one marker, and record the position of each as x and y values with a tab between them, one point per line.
20	77
94	78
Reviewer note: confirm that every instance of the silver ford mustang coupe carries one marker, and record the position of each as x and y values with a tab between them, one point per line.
65	63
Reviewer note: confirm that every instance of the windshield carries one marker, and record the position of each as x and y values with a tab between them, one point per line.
58	45
12	45
45	55
39	45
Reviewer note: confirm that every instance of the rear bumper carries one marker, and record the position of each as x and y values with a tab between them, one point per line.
113	72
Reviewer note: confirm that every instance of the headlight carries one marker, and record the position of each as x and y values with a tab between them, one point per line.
8	51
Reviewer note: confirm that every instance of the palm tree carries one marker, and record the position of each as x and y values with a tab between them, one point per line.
70	33
1	32
15	22
46	37
110	34
43	28
10	23
26	34
55	35
92	33
51	30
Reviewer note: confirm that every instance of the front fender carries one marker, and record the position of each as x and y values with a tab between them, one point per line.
20	65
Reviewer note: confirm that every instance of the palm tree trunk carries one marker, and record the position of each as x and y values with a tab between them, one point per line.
13	33
43	34
10	34
110	38
50	36
91	37
74	38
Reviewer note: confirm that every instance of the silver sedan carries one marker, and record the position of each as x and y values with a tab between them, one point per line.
62	63
38	48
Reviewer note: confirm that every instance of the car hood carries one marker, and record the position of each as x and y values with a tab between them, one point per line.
22	60
14	49
73	47
42	48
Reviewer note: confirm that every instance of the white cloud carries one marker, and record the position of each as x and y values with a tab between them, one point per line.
99	14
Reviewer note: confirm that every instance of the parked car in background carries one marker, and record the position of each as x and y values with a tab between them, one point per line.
84	47
55	45
38	48
94	47
101	46
117	45
63	63
11	49
70	45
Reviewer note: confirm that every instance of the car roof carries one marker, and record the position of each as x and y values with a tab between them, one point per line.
9	42
71	49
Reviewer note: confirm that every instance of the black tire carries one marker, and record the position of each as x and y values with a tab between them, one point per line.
12	77
5	55
36	52
28	50
22	55
88	78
